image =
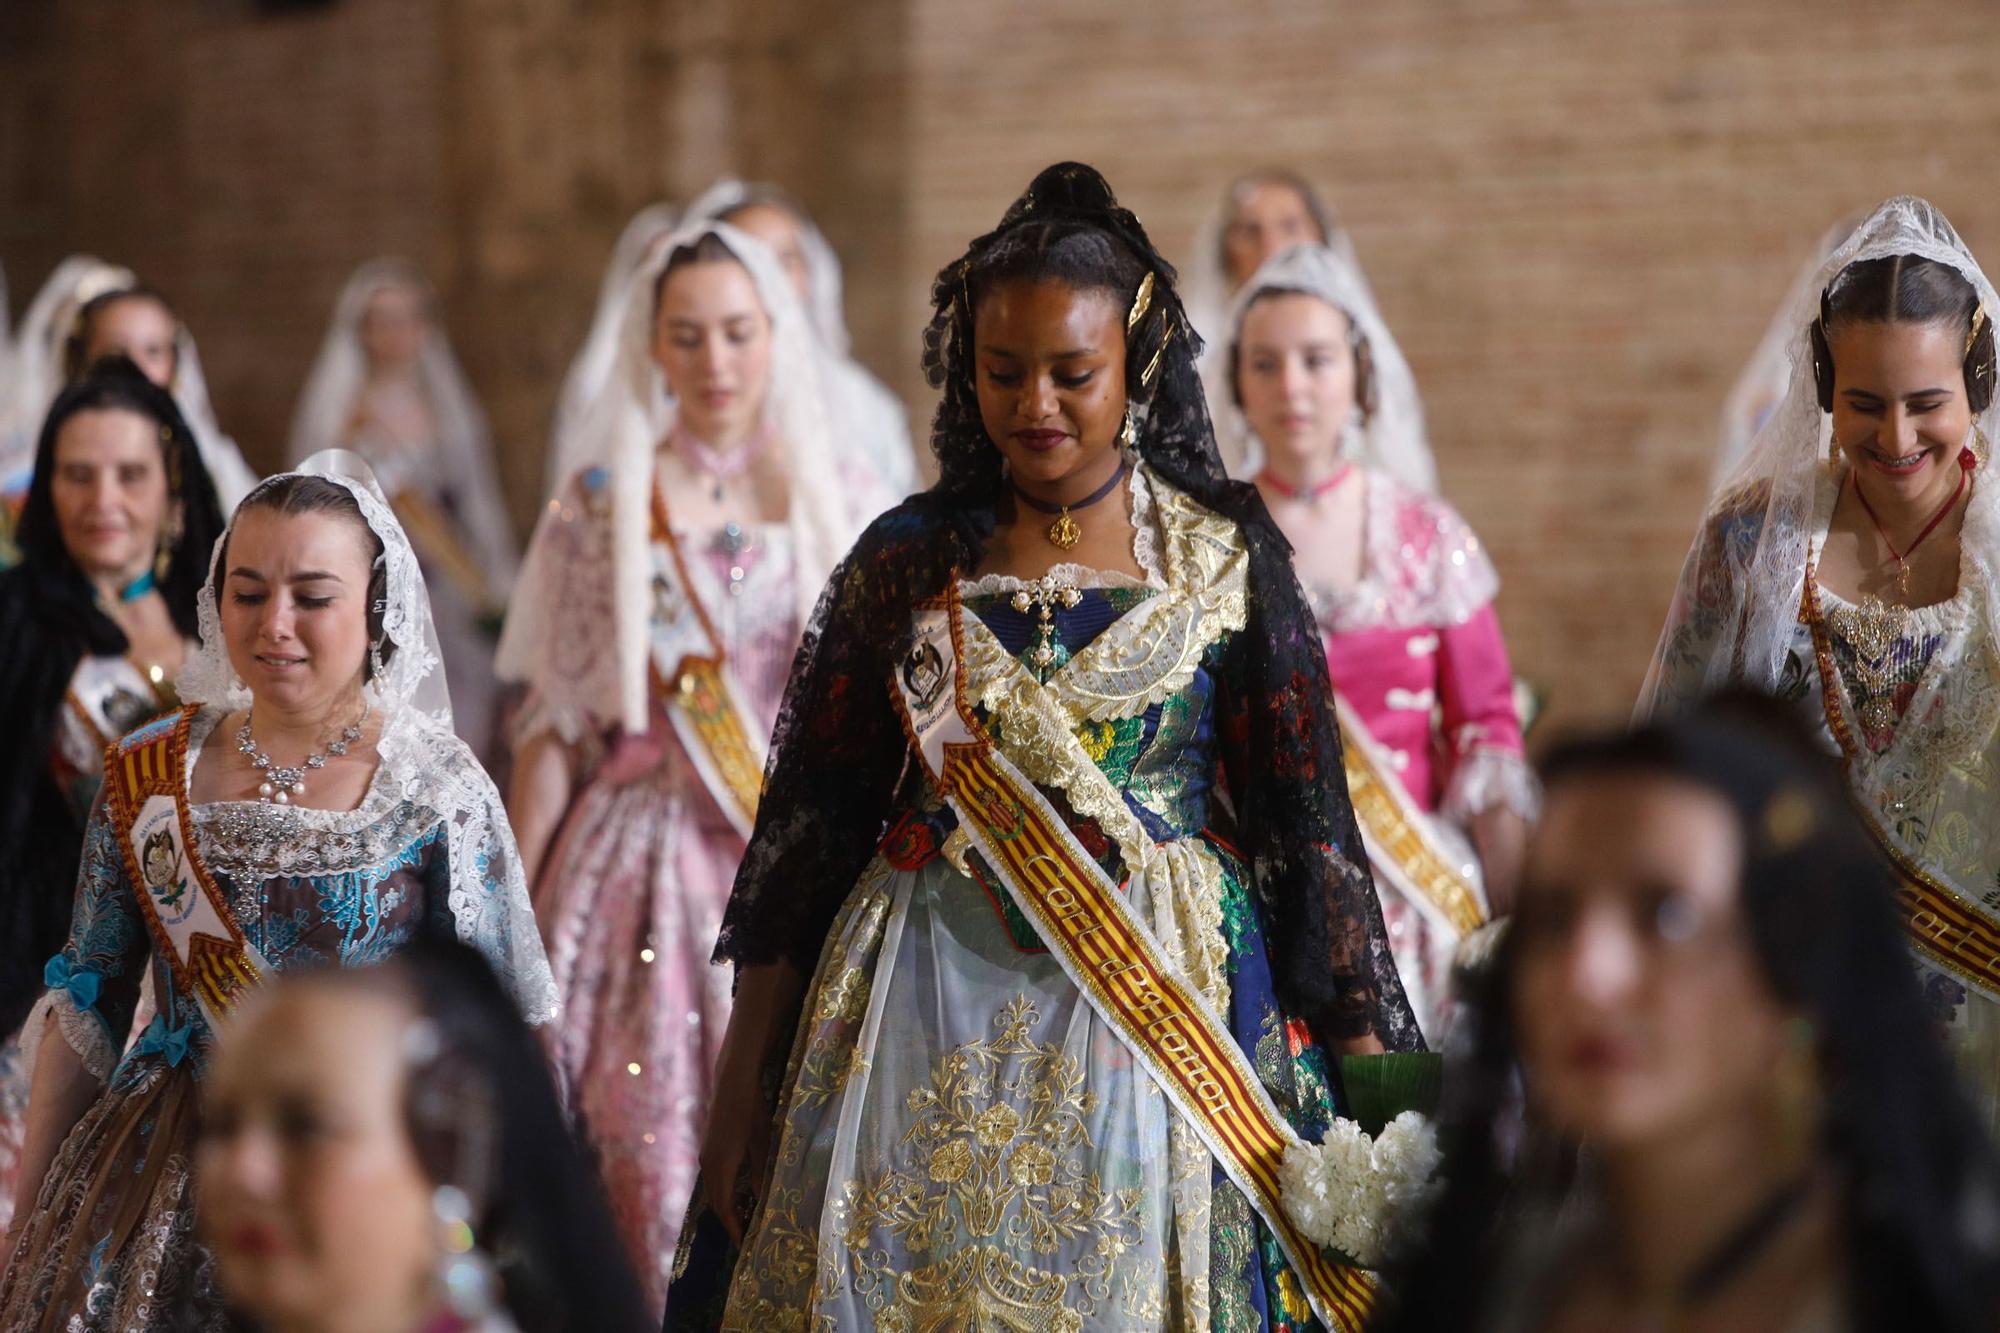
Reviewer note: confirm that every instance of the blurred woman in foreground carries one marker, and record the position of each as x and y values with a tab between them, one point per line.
1738	1114
386	1143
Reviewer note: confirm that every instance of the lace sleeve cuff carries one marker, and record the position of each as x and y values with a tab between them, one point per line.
81	1028
571	724
1486	777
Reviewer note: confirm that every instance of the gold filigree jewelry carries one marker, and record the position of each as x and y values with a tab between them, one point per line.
1872	628
1046	594
1972	334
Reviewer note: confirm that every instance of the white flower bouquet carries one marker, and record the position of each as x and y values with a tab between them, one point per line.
1348	1192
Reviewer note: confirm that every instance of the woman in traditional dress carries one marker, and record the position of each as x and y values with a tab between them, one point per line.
94	622
1055	901
654	624
1736	1116
387	386
136	322
308	806
597	360
1850	565
873	429
1403	593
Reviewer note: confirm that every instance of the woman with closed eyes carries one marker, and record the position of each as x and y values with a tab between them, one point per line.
1055	910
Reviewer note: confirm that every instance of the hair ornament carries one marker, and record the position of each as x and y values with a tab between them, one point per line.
1141	303
1788	820
1152	369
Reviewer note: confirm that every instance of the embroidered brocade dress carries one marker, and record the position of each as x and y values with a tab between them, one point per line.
962	1142
632	889
1415	650
1921	743
111	1244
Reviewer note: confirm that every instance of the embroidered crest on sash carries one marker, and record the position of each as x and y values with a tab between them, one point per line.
195	933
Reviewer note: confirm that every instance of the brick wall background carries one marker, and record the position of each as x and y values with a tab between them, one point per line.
1578	214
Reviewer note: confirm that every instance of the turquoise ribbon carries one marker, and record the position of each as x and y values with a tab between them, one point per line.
159	1039
82	983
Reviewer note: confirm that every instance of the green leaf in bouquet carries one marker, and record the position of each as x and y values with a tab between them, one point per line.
1379	1088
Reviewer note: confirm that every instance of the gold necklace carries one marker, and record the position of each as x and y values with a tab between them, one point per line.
1065	533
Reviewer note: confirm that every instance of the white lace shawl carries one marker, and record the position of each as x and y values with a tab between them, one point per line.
33	383
598	357
1206	290
34	373
1761	387
1393	439
420	759
232	475
866	417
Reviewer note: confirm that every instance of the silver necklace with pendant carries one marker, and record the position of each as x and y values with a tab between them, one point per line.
281	785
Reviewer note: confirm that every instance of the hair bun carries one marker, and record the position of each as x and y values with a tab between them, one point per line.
1066	187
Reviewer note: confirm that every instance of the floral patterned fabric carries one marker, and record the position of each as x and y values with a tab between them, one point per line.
1920	709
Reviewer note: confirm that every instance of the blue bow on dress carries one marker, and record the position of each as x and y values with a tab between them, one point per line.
159	1039
81	982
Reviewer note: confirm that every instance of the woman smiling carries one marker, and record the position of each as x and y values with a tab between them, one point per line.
1852	565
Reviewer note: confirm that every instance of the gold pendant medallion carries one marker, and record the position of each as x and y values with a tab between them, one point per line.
1873	628
1064	532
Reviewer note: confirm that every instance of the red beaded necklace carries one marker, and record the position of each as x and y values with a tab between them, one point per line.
1966	462
1310	494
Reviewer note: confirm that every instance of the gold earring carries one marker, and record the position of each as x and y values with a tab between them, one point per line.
1128	433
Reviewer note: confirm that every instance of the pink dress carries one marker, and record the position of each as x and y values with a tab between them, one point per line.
630	895
1415	651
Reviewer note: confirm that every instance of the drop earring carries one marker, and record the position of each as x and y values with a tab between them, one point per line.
466	1278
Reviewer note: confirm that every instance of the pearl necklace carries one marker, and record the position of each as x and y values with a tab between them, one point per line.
280	785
